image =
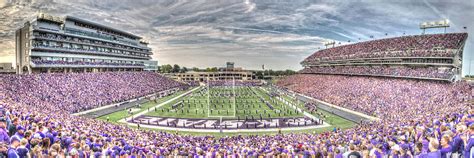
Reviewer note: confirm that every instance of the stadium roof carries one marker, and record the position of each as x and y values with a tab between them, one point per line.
102	26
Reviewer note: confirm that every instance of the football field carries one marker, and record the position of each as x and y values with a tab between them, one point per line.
214	103
227	102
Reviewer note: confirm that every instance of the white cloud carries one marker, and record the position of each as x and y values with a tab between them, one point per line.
250	6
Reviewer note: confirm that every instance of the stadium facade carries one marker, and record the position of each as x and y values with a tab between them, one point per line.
69	44
223	73
6	68
213	76
428	57
151	65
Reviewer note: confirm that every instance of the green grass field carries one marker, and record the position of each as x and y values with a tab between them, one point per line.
247	102
116	116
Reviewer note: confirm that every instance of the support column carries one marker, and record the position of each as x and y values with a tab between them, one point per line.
29	70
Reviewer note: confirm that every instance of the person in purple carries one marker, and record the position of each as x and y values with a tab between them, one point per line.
338	153
378	153
433	148
20	132
12	152
4	138
458	143
445	147
23	152
468	139
418	150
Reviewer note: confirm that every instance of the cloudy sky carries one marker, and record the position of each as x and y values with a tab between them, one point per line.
277	33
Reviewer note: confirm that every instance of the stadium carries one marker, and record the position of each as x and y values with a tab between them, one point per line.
81	88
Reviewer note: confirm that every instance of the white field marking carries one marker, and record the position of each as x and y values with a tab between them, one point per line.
219	116
157	106
293	106
135	109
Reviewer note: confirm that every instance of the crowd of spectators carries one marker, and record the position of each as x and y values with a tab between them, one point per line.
418	119
396	71
430	45
76	92
374	96
82	63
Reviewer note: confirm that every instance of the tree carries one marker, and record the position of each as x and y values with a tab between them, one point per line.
271	72
176	68
195	69
184	69
211	69
259	75
166	68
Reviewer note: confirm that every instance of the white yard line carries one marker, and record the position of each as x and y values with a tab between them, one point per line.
294	107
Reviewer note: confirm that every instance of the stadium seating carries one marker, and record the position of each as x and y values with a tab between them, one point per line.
382	57
400	71
83	91
71	39
405	46
373	95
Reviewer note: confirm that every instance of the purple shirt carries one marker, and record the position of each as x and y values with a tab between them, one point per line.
436	154
446	150
4	136
457	144
468	146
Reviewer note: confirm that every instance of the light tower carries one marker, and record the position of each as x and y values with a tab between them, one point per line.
331	43
434	24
